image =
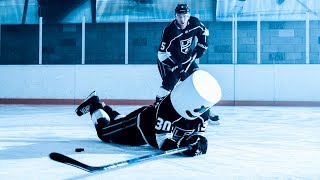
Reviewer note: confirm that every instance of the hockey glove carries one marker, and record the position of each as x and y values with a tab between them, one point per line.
177	68
198	51
168	145
179	71
194	55
199	145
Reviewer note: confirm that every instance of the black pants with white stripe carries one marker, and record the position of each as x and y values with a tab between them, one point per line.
121	131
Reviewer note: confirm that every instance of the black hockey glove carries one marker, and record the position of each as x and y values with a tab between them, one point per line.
194	54
177	68
199	145
168	145
179	71
198	52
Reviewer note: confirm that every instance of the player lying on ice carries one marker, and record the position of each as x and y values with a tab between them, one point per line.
172	123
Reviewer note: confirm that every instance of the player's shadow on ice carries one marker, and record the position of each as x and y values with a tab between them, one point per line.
42	147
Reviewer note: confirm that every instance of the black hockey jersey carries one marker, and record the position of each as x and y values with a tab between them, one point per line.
176	43
162	122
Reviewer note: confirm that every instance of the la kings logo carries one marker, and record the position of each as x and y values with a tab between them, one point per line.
185	44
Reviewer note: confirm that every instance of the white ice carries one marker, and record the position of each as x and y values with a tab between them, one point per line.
250	143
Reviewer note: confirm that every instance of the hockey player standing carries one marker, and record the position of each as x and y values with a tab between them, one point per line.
176	58
172	123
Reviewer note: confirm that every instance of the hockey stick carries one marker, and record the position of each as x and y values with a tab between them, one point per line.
187	68
189	64
72	162
193	58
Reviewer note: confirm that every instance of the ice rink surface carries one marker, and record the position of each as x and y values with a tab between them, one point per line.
250	143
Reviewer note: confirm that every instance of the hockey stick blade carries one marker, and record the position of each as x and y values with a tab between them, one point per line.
72	162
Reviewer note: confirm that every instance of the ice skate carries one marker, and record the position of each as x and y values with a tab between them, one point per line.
84	107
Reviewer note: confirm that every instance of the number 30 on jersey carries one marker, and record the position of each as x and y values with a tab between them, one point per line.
163	125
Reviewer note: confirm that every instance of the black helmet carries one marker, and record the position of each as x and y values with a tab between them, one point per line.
182	8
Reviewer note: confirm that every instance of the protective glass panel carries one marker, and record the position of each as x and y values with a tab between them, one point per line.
61	11
19	44
144	41
283	42
105	43
275	10
149	10
247	42
61	44
220	43
314	42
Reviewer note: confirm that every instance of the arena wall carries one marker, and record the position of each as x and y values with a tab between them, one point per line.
138	84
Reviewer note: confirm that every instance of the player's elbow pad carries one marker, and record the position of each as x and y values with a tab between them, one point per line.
168	144
199	148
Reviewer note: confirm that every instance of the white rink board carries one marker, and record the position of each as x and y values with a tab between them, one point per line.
141	82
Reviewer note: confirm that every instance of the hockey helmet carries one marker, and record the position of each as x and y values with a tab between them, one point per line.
182	8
